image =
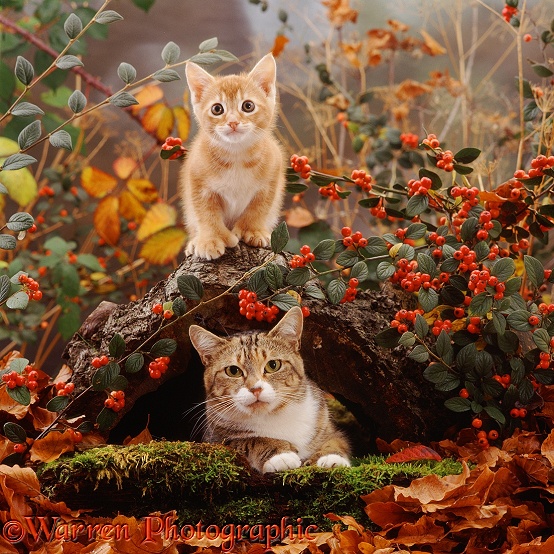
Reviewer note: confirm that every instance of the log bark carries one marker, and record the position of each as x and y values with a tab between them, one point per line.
384	389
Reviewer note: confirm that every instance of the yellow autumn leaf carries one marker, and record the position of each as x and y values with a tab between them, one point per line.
146	97
162	247
96	182
8	147
130	208
22	186
182	118
143	189
158	120
124	166
431	46
106	219
158	217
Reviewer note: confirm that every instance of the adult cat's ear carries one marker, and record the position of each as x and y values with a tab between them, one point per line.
264	74
198	80
206	343
290	327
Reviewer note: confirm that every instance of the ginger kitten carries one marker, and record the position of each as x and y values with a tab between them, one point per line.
260	402
232	182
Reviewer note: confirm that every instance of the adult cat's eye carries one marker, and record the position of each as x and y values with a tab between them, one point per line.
248	106
272	366
233	371
217	109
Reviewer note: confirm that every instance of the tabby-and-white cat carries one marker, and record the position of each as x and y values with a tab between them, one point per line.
260	402
233	181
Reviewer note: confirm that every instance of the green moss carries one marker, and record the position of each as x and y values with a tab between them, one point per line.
211	483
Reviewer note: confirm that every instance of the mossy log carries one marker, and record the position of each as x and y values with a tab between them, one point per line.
214	484
384	389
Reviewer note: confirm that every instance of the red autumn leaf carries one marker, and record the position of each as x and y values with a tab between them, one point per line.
279	45
417	452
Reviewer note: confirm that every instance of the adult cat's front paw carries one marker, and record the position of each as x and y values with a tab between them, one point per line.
333	460
210	248
280	462
253	237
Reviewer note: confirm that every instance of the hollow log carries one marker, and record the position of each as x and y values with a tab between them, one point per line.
383	389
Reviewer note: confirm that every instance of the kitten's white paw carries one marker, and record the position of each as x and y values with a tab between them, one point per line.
333	460
259	238
280	462
208	249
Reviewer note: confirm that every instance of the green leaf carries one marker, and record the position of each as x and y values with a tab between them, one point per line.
134	363
166	75
25	109
116	347
284	301
257	282
465	359
499	322
348	258
72	26
376	246
451	382
274	276
469	229
416	205
179	307
171	53
436	373
385	270
421	327
519	320
406	251
314	291
279	237
225	56
535	270
24	70
467	155
29	135
90	261
542	70
108	16
360	271
126	72
496	414
389	338
335	290
419	354
57	404
70	321
298	276
324	250
508	342
119	383
483	362
458	404
207	45
14	432
542	339
68	62
407	339
206	58
428	299
416	231
163	347
5	287
463	169
20	395
444	348
61	139
106	419
480	304
123	100
435	179
17	161
104	376
190	287
20	221
18	301
503	269
69	279
426	264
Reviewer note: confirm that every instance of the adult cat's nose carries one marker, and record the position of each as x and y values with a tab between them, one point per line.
233	125
256	391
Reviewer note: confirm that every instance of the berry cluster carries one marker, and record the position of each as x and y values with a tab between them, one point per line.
403	318
252	308
467	259
538	165
116	401
508	12
351	291
300	165
409	140
158	309
306	256
474	325
518	412
362	179
13	379
483	438
330	191
64	389
100	361
46	191
75	435
170	143
544	362
356	239
471	199
440	325
444	159
419	186
158	367
31	287
379	211
412	280
479	280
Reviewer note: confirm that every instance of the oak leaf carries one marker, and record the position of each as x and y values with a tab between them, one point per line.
106	220
96	182
52	446
164	246
158	217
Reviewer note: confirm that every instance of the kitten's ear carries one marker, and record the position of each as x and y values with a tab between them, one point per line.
290	327
206	343
198	80
264	74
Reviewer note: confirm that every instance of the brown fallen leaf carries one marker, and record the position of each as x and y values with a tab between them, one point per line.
417	452
52	446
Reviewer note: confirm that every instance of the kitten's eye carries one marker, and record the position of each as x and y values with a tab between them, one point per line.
248	106
217	109
233	371
272	366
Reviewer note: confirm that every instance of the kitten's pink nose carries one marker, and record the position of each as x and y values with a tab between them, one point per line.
256	392
233	125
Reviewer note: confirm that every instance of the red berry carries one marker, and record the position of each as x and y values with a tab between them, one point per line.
464	393
346	231
305	311
32	385
514	412
168	314
534	320
69	387
155	373
19	448
305	250
109	402
96	363
77	436
104	360
353	282
493	434
477	423
157	309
